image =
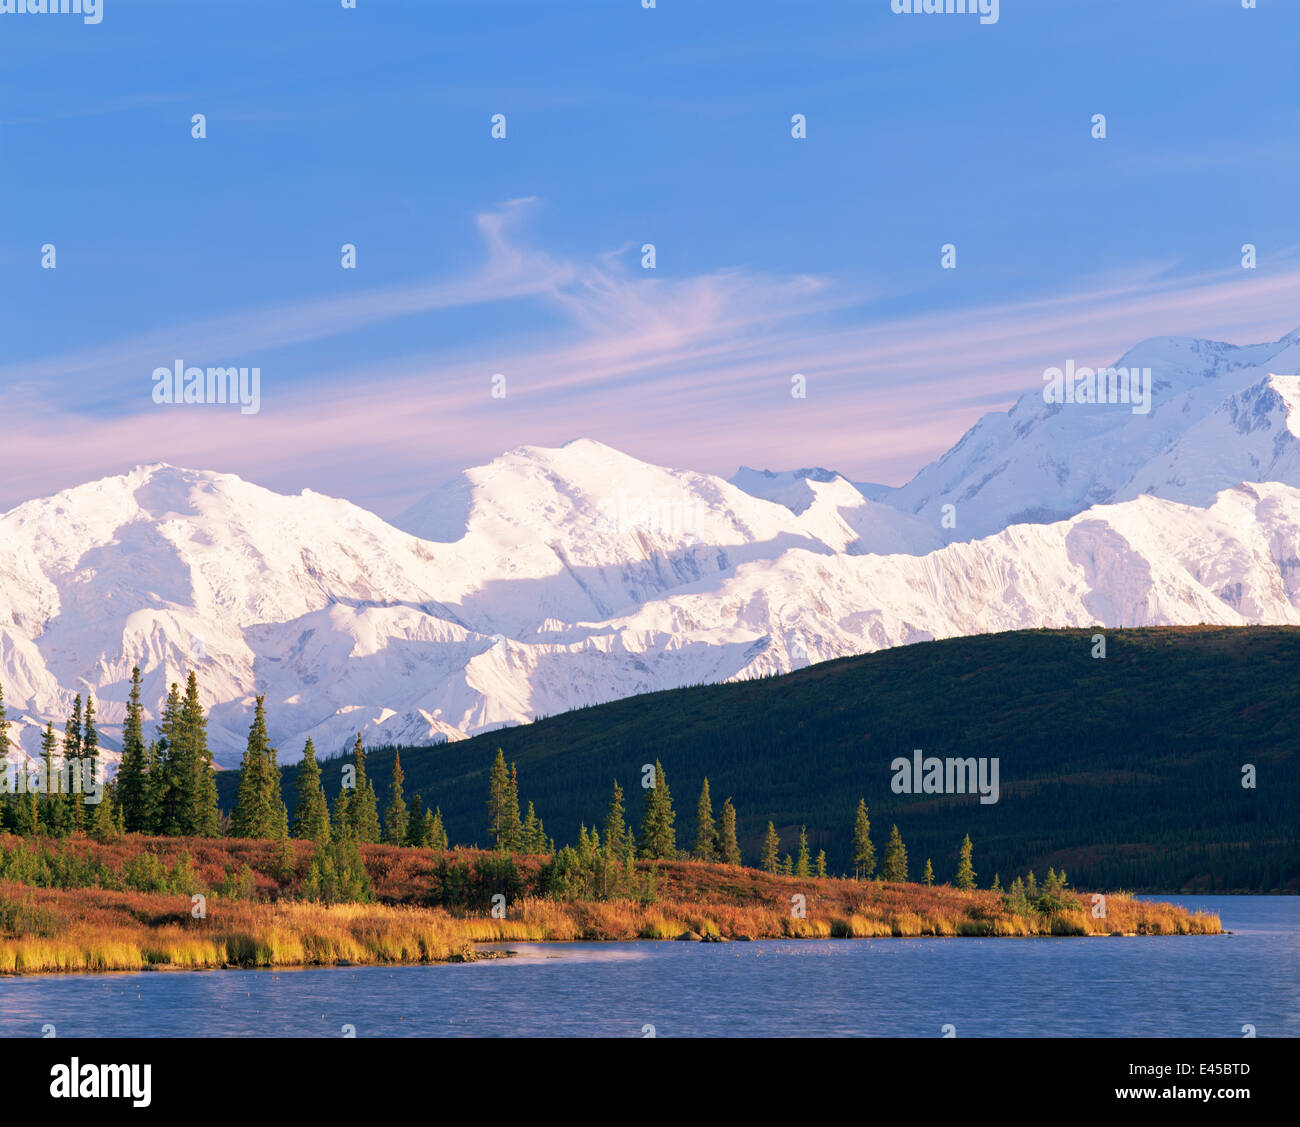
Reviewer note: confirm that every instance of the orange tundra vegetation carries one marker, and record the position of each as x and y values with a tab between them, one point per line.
257	921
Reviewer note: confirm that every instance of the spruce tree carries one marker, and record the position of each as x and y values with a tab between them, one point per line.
77	814
787	866
311	819
396	815
103	820
927	877
530	830
133	771
166	782
771	845
965	869
803	866
363	811
864	853
706	830
498	789
416	826
728	846
514	829
437	836
153	773
895	866
90	740
191	763
658	838
259	808
250	815
821	864
616	835
58	817
342	824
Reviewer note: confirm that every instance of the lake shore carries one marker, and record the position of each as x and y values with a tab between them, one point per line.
95	930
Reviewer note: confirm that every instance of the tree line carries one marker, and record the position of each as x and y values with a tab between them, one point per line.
167	787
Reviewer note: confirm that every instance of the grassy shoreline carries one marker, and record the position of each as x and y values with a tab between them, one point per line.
100	928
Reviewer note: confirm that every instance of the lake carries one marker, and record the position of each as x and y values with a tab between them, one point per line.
1184	986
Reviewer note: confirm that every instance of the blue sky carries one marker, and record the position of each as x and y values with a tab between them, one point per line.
624	126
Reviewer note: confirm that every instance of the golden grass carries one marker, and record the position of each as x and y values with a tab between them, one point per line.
96	929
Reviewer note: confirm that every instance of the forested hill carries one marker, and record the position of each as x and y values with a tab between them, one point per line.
1126	770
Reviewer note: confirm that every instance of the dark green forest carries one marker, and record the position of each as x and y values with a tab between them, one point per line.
1125	771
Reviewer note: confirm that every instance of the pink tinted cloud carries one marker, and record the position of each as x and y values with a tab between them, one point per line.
691	372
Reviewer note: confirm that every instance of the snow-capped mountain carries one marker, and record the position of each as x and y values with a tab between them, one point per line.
548	579
1253	435
1045	461
347	622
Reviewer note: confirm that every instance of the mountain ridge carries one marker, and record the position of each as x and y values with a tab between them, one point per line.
552	578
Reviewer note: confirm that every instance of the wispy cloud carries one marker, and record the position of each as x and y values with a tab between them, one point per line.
691	371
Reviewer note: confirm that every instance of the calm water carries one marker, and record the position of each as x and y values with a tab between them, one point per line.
1176	987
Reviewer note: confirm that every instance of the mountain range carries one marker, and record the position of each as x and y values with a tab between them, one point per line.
553	578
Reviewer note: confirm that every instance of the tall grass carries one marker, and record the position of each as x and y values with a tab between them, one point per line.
53	929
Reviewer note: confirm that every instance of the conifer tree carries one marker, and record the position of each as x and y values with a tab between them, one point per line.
90	739
965	870
133	771
57	819
153	773
396	815
529	834
895	866
342	814
437	836
190	761
927	877
259	808
498	795
514	828
27	813
996	886
166	782
363	807
864	853
771	845
658	839
616	835
72	762
728	846
103	819
416	827
706	830
787	865
803	865
205	817
1031	885
821	864
72	731
311	819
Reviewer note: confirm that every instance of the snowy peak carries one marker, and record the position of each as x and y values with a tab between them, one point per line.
1043	461
790	488
552	578
1252	436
